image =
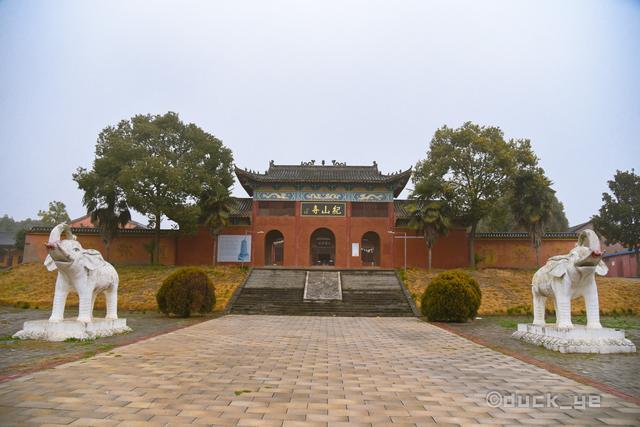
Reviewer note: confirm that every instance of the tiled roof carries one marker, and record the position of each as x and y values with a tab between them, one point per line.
241	207
335	173
524	235
93	230
7	238
579	227
400	208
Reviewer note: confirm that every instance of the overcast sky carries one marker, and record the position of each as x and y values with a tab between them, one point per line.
355	81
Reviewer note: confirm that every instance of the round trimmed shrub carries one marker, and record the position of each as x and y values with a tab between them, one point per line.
452	296
185	291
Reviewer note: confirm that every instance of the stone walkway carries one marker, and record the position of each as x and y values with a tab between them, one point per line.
620	371
304	371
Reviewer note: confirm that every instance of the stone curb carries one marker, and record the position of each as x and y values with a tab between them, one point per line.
237	292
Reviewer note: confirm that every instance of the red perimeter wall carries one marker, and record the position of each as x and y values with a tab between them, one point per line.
125	249
450	251
518	253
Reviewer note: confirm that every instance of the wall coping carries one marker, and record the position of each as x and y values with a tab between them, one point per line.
92	230
523	235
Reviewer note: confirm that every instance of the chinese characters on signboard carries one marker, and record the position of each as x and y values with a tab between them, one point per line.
323	209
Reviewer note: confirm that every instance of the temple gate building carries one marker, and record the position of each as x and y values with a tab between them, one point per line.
324	214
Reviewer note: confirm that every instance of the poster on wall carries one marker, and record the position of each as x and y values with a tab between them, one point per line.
355	249
234	248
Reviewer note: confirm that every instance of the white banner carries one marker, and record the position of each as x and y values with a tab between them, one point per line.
355	249
234	248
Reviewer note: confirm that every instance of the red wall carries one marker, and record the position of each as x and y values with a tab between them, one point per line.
623	265
124	249
512	253
297	231
450	251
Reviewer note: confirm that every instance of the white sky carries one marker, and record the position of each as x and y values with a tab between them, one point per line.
354	81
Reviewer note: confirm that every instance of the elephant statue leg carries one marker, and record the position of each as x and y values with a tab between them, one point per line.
84	312
111	295
592	305
93	300
59	300
538	308
563	310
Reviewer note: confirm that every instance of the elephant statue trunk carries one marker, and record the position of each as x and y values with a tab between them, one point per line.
83	270
570	276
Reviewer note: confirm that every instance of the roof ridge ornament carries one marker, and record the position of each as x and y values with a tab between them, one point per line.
309	163
337	163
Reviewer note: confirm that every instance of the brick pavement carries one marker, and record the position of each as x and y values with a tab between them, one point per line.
299	371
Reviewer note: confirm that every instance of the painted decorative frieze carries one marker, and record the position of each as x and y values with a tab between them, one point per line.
338	196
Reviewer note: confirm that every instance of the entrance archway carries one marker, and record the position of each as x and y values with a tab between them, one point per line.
370	249
274	248
323	247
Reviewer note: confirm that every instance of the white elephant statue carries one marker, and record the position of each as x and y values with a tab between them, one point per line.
83	270
570	276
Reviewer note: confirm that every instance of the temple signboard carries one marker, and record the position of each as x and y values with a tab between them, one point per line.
322	209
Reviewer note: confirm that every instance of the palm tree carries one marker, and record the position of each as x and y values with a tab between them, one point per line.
109	217
429	217
215	213
532	202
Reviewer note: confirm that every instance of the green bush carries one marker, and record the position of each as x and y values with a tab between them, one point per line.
185	291
452	296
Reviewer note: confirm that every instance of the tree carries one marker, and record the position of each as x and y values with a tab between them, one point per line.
103	195
8	224
20	237
531	201
56	214
619	217
557	219
429	218
468	168
215	209
500	218
160	167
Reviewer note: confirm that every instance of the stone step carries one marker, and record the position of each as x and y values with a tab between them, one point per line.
279	291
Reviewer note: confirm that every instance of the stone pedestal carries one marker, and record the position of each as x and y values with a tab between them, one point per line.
578	339
71	328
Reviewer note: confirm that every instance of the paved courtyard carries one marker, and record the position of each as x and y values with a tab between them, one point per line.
305	371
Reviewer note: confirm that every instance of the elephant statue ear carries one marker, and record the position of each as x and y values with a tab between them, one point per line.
92	259
558	268
49	263
602	269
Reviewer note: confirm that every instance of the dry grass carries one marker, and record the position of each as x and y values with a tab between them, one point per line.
33	284
504	290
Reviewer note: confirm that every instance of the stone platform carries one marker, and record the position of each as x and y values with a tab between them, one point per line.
71	328
578	339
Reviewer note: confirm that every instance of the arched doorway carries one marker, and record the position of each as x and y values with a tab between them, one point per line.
274	248
323	247
370	249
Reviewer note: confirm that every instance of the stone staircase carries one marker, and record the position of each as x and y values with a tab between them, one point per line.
366	293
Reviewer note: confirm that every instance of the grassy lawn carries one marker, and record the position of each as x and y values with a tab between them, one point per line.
509	291
31	285
616	322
